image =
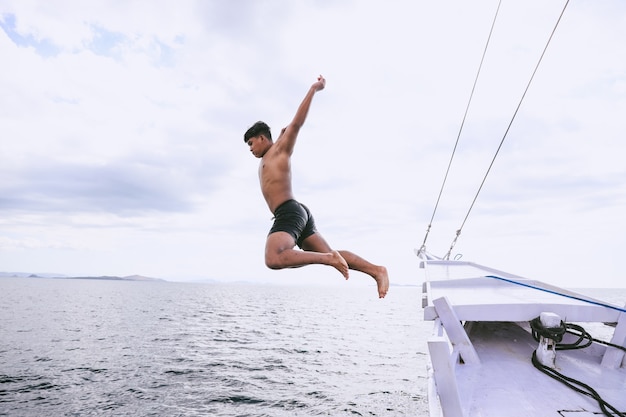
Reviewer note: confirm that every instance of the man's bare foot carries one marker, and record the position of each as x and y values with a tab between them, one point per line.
382	281
339	263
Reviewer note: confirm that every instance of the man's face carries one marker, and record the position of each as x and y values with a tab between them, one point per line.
257	145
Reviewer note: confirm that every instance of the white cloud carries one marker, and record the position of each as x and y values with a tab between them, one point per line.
122	125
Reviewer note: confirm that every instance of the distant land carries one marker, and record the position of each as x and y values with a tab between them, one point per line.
60	276
141	278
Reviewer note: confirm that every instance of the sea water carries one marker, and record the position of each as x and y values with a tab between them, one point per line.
111	348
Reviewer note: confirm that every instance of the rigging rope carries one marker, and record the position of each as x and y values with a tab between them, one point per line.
458	232
423	247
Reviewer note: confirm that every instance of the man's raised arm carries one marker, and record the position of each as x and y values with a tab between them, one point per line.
288	136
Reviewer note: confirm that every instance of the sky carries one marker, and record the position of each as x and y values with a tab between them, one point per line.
122	122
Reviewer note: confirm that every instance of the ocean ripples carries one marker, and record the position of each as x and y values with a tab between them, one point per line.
82	348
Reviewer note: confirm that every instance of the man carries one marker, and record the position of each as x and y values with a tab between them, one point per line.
293	223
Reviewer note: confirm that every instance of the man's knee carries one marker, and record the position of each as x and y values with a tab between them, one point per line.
277	243
273	262
273	259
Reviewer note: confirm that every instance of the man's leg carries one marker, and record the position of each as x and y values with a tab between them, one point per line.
316	243
280	253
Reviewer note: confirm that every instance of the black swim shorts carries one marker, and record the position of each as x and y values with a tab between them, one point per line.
295	219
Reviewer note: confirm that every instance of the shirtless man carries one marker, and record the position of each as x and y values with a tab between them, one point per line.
293	223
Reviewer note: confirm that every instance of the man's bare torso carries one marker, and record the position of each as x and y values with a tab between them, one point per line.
275	176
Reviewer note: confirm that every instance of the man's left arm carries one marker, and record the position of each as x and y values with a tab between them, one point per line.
287	138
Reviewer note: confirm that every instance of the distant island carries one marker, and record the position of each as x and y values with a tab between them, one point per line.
59	276
113	278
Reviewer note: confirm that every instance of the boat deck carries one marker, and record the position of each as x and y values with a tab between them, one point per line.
505	379
481	350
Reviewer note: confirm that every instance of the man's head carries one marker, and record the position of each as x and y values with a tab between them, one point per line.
259	128
258	138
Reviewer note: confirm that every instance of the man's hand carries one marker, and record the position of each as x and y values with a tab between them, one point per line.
319	84
287	138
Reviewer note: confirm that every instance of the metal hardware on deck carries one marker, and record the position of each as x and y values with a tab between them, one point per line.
546	352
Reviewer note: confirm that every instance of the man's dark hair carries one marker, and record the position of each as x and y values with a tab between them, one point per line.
259	128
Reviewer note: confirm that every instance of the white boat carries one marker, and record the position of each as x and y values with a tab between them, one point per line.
507	346
496	348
